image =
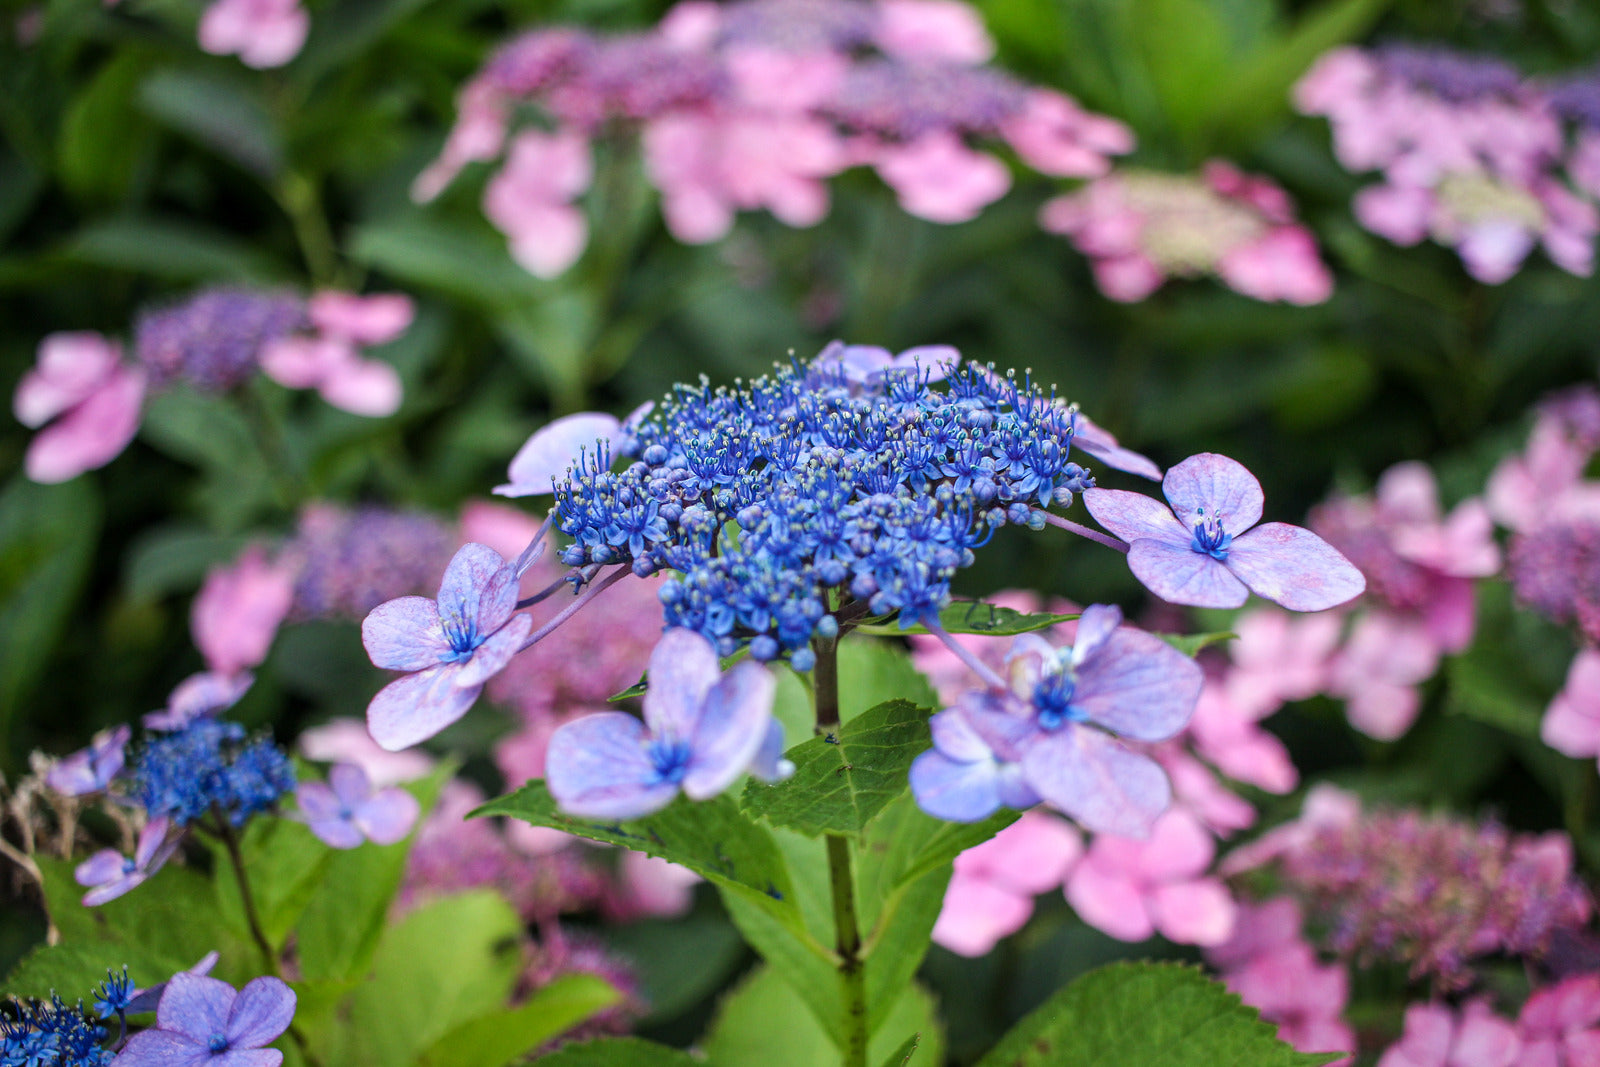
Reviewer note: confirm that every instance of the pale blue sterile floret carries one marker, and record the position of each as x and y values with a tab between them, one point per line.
91	770
1052	734
204	1021
702	731
346	810
108	873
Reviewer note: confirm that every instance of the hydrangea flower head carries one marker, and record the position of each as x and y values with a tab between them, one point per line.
109	874
350	561
450	646
1436	1035
39	1033
1560	1024
203	1020
702	730
1206	549
262	33
1052	735
209	766
346	810
91	770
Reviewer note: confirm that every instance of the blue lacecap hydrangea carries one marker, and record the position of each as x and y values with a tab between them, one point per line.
778	500
50	1033
211	765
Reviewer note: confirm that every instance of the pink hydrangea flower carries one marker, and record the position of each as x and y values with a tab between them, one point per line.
1133	889
1226	733
237	613
1279	657
530	200
347	741
1559	1025
330	360
649	886
86	400
991	893
262	33
1437	1036
942	180
1545	482
1378	670
932	29
1571	724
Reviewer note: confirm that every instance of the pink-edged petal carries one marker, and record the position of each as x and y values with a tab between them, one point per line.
546	456
1134	516
491	657
100	868
1294	567
404	634
1095	627
263	1010
683	668
388	817
731	730
1194	913
196	1005
349	783
957	791
1107	788
1208	486
163	1048
1138	686
599	767
366	387
1178	574
412	709
977	914
1109	901
479	590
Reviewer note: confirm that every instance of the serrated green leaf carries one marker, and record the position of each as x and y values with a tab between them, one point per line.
501	1037
1151	1014
902	1055
974	617
1191	644
712	838
841	781
764	1021
618	1052
339	927
221	113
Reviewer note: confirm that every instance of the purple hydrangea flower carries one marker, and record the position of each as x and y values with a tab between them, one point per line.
547	456
1102	445
143	1000
450	647
204	1022
702	729
1052	735
91	769
346	811
1207	551
199	696
109	873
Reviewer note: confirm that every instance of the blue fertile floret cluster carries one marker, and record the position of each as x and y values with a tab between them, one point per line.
209	765
780	500
50	1033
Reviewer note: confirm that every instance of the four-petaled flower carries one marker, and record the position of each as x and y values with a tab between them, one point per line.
91	769
701	731
1208	552
109	874
199	696
346	811
1050	736
451	646
204	1022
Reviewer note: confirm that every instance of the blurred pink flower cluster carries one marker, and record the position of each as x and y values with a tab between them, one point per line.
1141	227
1471	153
1558	1026
87	402
1420	565
755	105
262	33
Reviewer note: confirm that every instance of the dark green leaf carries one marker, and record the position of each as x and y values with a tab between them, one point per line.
680	962
1151	1014
469	265
501	1037
902	1055
285	862
839	785
174	559
103	136
347	29
1191	644
170	249
618	1052
975	617
221	113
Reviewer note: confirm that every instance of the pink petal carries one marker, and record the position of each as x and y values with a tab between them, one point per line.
1208	486
1294	567
366	320
1400	213
1571	726
238	611
303	362
91	434
939	179
941	30
1484	1040
1107	900
1030	856
71	366
368	387
548	241
1180	575
546	457
1177	849
977	914
1127	279
1194	913
412	709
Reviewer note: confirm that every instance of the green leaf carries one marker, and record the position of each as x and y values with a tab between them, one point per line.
1191	644
764	1021
618	1052
1151	1014
1480	690
712	838
974	617
839	785
47	540
347	29
285	863
340	925
103	136
680	962
174	559
498	1038
170	249
466	264
434	970
1187	56
221	113
902	1055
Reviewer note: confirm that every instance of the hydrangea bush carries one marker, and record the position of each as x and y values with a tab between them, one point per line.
747	718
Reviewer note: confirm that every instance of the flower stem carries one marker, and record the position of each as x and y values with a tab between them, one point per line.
594	590
847	930
976	665
1083	531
